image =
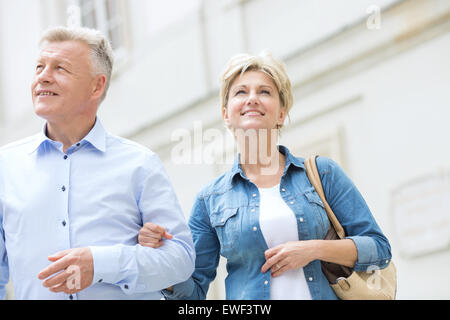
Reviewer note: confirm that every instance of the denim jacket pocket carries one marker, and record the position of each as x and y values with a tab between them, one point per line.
225	223
319	209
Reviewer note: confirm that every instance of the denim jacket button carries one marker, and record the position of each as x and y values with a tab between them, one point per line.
255	228
292	202
283	189
310	278
266	282
254	195
300	219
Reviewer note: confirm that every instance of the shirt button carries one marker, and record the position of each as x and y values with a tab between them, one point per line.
64	223
100	280
71	297
65	157
125	286
300	219
78	144
63	188
255	228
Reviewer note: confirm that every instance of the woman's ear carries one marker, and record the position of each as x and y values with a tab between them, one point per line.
281	117
225	116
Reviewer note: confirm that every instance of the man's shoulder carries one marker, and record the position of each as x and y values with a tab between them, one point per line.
19	145
128	145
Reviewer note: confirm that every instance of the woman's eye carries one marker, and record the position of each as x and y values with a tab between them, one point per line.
265	92
240	92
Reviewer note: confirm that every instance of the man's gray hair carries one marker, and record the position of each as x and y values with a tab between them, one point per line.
101	52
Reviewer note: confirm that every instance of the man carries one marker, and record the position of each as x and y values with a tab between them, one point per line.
73	197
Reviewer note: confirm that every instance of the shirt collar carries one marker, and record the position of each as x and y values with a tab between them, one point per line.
290	160
41	137
96	137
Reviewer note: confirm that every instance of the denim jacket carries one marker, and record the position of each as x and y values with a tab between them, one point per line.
225	220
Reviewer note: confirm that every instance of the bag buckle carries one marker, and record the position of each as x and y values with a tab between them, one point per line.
343	283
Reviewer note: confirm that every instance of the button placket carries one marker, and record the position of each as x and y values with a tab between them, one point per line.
64	190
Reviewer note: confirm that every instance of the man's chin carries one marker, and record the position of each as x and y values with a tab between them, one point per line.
43	111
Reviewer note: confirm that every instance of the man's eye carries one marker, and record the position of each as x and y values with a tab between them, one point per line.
60	68
39	66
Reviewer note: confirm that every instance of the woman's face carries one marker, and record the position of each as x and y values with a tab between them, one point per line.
253	103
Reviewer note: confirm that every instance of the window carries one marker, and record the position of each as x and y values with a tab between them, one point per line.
103	15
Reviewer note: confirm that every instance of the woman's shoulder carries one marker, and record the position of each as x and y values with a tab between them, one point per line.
215	186
323	164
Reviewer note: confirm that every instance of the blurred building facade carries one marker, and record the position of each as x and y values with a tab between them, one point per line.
370	82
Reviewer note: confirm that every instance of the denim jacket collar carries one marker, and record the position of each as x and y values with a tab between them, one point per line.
290	160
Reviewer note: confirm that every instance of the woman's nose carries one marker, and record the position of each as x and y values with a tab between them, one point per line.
252	98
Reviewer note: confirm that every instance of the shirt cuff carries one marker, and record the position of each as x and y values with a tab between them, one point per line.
367	252
106	266
180	290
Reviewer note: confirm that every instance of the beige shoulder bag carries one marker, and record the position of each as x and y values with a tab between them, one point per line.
374	284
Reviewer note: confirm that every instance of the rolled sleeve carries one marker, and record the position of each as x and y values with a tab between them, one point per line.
367	252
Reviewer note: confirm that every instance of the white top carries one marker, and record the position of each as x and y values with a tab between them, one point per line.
278	225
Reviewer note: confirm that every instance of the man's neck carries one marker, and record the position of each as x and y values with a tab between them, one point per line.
69	133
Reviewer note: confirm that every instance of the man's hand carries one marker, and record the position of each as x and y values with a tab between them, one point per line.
71	271
151	235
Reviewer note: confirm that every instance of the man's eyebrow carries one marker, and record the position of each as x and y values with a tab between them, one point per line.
55	60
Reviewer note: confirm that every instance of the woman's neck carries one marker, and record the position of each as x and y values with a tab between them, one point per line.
261	160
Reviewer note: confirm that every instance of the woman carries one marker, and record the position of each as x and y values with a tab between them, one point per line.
263	215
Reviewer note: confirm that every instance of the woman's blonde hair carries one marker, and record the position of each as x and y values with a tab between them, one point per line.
100	49
264	62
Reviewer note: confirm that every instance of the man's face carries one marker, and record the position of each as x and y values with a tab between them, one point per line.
63	83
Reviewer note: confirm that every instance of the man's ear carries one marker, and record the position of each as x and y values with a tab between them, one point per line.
99	86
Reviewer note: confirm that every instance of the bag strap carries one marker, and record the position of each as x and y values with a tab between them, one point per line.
314	178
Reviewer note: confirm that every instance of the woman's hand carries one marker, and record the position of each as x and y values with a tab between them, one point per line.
288	256
151	235
297	254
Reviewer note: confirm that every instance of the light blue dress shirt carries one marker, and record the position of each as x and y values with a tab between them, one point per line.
98	194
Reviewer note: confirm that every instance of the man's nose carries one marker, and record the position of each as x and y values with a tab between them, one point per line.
45	76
